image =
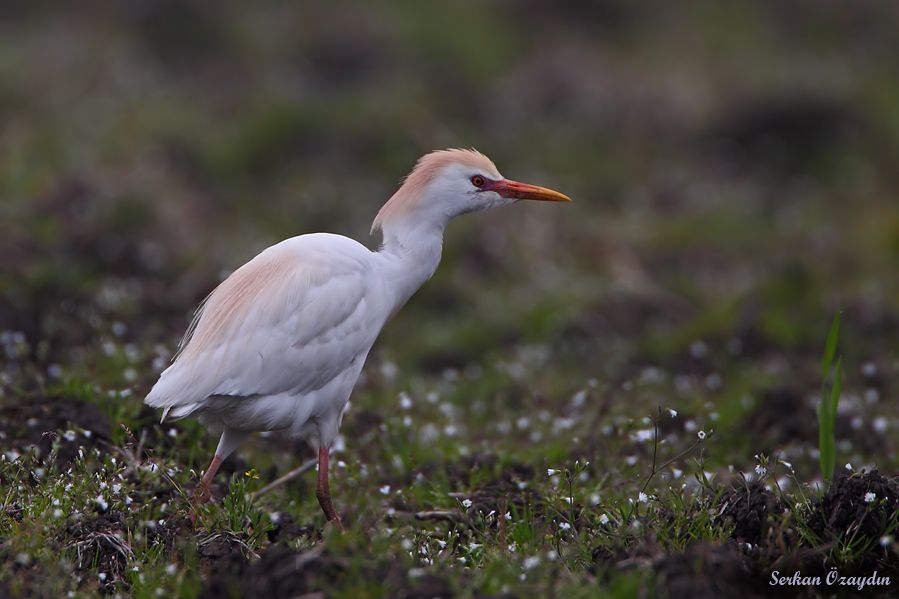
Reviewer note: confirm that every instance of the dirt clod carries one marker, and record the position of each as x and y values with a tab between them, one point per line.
102	543
750	508
710	571
864	503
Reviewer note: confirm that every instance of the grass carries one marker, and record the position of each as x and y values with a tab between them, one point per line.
827	409
434	505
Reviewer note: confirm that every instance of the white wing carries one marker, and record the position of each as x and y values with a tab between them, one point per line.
290	320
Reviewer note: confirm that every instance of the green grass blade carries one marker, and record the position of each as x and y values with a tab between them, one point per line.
830	346
827	414
827	457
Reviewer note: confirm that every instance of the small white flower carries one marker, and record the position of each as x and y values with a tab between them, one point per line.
787	464
701	435
676	473
673	413
102	576
466	503
870	497
101	502
57	513
405	401
643	497
507	516
389	370
385	490
565	526
171	569
69	436
579	398
531	562
760	470
643	435
551	472
848	466
885	540
603	519
698	349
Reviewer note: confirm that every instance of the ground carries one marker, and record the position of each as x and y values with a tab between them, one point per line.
615	397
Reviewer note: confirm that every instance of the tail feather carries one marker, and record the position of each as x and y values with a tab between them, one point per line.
176	393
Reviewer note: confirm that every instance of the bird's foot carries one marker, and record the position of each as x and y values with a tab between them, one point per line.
202	495
337	523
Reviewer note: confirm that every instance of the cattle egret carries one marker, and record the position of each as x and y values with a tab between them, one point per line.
280	343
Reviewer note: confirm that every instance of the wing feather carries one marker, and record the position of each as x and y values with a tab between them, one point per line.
291	319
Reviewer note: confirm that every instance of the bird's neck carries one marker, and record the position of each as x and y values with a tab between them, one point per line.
410	254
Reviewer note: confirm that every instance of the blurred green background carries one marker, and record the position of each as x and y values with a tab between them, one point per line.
734	171
733	167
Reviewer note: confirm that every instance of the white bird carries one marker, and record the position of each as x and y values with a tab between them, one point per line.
280	343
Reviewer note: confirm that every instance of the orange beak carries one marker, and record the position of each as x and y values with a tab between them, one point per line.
526	191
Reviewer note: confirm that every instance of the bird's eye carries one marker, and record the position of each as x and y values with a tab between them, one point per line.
478	181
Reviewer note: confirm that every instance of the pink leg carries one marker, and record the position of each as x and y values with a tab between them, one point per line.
204	489
323	489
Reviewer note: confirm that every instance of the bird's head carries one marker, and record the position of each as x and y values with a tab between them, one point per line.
447	183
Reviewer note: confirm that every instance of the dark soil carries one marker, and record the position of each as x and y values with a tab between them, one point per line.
509	490
102	543
708	571
283	572
41	424
844	514
843	508
782	415
750	508
287	529
221	546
